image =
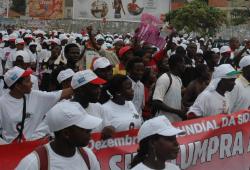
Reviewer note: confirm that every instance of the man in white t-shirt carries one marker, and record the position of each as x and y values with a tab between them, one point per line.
86	86
214	99
135	69
17	119
167	99
103	69
22	59
9	51
71	126
240	96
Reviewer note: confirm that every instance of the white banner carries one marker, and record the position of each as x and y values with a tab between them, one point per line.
119	10
3	8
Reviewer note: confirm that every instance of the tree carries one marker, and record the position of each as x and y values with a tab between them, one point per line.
240	16
198	17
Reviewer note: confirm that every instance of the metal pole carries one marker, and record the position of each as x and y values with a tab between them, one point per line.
8	6
170	5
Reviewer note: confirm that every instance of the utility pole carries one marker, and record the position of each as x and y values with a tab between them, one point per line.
8	8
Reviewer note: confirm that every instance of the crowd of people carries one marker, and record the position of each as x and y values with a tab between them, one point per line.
69	85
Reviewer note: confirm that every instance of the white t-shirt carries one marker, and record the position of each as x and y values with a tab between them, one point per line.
240	95
1	58
32	56
44	54
11	109
34	80
25	54
97	110
58	162
210	103
172	98
2	90
169	166
138	99
123	117
8	54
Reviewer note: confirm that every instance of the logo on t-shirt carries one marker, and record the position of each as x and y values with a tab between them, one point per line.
131	125
136	116
28	115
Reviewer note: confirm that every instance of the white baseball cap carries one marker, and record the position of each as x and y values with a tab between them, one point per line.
5	38
63	37
56	41
117	40
202	39
175	40
83	77
13	37
32	43
199	51
244	62
24	54
99	37
109	40
19	41
12	75
101	62
65	114
28	36
225	71
159	125
64	75
225	49
215	50
183	45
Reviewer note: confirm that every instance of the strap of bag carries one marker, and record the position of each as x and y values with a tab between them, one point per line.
20	125
42	154
170	82
154	110
85	157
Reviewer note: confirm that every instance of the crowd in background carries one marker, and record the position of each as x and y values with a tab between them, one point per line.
116	78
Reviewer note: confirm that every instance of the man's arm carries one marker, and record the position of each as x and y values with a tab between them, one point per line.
159	105
66	93
188	94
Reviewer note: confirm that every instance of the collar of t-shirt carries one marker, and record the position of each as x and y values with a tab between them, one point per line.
244	81
134	82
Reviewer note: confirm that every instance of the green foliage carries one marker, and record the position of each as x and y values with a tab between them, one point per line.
239	16
197	17
19	6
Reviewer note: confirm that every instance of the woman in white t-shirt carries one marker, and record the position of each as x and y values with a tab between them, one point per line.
122	113
157	144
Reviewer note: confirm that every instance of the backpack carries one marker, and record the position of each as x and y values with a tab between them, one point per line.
153	109
42	154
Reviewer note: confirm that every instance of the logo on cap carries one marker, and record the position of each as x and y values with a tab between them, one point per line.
14	77
81	80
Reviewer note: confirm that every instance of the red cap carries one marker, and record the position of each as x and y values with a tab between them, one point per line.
98	81
12	40
27	73
123	50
